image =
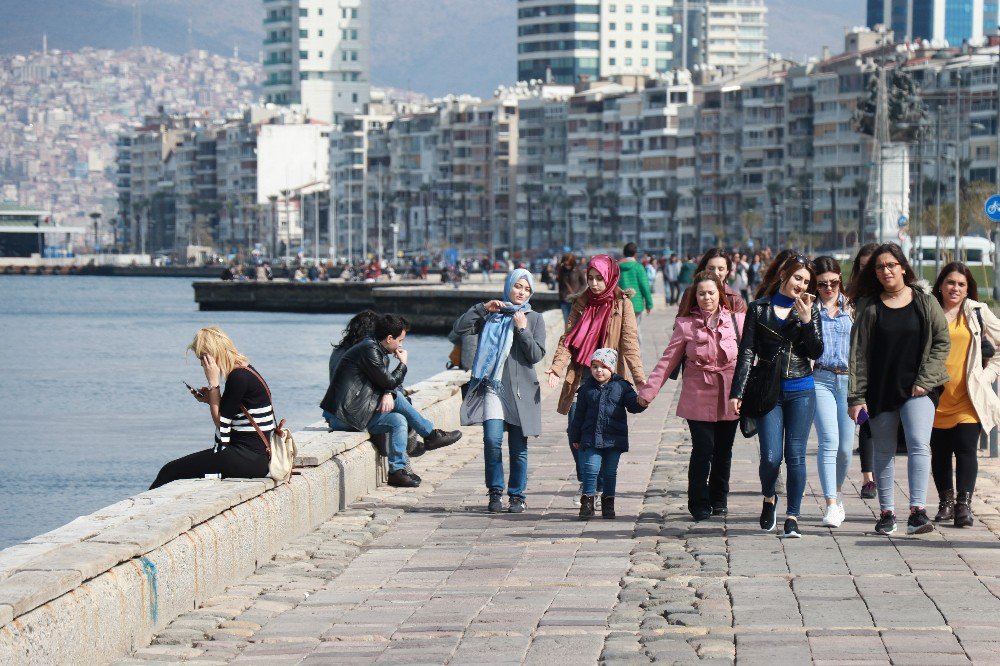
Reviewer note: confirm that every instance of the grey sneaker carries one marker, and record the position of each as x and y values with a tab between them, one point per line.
516	504
886	523
496	501
919	523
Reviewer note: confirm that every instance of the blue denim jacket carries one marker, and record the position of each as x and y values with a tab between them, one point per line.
600	420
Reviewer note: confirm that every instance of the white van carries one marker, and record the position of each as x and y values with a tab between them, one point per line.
974	250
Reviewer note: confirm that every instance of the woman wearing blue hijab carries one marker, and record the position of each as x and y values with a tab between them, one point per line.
503	393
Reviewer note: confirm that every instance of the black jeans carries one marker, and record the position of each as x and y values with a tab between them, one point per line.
962	441
711	459
866	448
231	462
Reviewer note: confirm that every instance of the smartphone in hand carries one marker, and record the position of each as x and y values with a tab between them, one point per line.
862	416
193	390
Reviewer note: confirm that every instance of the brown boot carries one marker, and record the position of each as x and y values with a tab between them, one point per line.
607	507
946	507
586	507
963	510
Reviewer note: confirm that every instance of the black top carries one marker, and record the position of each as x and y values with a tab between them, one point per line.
244	388
895	359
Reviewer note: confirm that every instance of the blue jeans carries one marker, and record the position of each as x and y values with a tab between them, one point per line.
397	423
835	431
517	448
565	307
917	415
577	460
783	432
603	462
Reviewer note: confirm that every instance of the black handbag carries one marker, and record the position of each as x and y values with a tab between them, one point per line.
987	348
761	393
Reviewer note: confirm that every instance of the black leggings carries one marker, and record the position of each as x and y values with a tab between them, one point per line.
231	462
866	448
962	441
711	459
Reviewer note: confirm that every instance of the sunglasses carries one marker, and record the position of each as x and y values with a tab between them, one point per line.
832	284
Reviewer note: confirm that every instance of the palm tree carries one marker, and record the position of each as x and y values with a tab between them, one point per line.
638	191
721	185
670	202
612	201
861	192
425	198
593	193
697	193
774	198
833	176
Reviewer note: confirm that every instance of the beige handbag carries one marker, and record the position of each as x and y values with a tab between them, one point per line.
280	445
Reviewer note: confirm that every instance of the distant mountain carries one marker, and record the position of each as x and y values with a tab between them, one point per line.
432	46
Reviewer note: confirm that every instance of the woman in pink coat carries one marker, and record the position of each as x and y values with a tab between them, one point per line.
706	340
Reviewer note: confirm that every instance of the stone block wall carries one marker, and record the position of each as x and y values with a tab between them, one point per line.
101	586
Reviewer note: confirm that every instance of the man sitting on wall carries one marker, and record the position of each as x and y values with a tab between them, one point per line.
360	397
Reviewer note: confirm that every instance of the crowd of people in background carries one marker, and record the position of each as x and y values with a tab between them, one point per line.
774	345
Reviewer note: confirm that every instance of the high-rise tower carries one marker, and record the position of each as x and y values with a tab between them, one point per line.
317	53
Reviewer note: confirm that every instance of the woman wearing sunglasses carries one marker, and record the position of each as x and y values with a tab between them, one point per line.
782	331
834	428
899	346
968	403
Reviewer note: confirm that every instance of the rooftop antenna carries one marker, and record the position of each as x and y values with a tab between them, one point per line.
136	25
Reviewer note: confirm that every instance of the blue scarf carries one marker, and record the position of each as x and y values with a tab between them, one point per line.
497	336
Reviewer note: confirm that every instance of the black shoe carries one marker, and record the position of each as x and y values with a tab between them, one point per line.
496	501
586	507
886	523
516	504
400	479
439	439
418	450
607	507
768	515
963	510
699	516
869	490
413	475
791	529
919	523
720	511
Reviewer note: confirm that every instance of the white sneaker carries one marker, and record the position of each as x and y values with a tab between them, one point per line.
576	498
833	516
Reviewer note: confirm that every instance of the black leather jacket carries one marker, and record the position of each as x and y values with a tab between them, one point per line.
360	380
763	336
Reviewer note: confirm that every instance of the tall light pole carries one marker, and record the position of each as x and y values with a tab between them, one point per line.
96	217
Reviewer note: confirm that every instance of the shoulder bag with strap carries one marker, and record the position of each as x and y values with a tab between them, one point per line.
280	445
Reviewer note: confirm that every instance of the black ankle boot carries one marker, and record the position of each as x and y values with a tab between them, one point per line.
946	507
586	507
607	506
963	510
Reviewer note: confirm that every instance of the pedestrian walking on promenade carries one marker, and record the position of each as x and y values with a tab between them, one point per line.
671	279
504	394
783	334
834	428
866	450
706	340
363	394
717	261
899	346
685	276
968	403
572	280
635	278
598	430
602	316
239	450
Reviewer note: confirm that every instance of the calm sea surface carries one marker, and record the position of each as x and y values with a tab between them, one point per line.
90	386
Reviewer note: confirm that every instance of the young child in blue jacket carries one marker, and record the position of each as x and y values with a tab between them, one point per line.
599	429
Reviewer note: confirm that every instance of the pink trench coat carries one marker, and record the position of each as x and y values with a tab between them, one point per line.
708	372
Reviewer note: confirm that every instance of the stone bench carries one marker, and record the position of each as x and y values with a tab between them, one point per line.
101	586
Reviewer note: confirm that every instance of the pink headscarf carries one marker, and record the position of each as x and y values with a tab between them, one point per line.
591	329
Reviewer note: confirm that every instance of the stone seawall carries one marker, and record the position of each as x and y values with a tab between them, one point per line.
101	586
429	307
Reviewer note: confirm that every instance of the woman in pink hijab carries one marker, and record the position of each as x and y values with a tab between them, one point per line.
602	316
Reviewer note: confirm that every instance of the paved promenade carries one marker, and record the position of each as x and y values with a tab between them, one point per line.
427	576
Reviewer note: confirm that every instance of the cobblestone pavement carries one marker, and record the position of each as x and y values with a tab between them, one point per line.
426	576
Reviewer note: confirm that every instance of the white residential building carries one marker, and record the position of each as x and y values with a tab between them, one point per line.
317	54
720	33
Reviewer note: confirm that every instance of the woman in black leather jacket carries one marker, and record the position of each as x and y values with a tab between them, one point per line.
783	325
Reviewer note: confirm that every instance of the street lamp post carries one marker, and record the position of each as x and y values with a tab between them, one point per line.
96	217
